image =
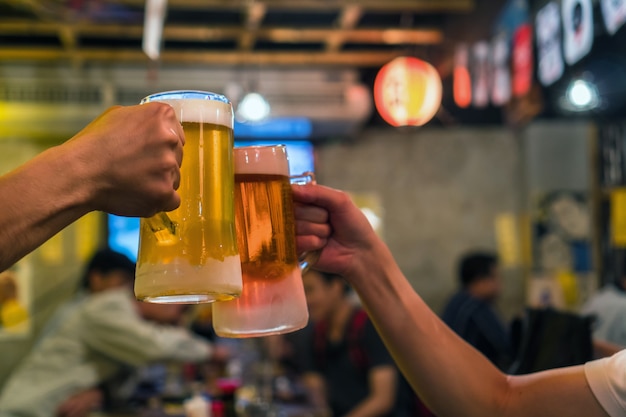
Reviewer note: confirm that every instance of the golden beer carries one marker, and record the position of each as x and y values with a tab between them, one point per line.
272	300
200	263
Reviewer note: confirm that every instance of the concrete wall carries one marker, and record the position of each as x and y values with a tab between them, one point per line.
441	191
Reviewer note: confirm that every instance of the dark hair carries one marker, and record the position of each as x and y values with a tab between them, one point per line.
105	261
475	266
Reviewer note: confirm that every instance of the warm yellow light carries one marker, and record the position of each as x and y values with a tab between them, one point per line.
407	92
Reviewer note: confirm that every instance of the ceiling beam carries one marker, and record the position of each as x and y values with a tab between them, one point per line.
43	10
207	34
449	6
352	59
348	18
255	12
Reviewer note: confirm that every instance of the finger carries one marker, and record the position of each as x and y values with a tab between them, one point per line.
176	178
338	204
178	153
304	228
172	203
310	243
320	195
310	213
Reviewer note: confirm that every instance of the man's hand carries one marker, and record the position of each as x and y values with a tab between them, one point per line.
131	157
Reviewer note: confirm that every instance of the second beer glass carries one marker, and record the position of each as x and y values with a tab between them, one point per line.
272	300
190	255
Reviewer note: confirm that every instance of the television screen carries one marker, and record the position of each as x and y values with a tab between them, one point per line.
123	232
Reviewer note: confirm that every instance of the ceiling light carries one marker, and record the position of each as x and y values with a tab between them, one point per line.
581	95
253	108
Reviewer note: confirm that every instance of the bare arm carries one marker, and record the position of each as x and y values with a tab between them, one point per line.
449	375
382	393
125	162
445	367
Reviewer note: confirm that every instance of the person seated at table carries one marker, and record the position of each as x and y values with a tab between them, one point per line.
471	311
349	367
95	339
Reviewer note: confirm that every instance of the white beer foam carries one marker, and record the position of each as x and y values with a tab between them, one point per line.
261	160
202	111
214	276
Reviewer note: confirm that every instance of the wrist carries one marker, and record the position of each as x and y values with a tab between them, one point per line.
372	263
361	267
70	179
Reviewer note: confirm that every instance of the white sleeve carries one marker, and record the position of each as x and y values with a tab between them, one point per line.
607	379
113	327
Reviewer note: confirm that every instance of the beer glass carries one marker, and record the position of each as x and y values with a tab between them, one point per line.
272	300
190	255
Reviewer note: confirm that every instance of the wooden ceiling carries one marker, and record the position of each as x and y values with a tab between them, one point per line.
275	33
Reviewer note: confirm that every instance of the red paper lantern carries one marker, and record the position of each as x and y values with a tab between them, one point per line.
461	78
523	62
407	92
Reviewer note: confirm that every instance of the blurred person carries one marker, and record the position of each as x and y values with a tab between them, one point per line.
451	376
99	337
126	162
290	350
350	369
471	311
13	315
608	308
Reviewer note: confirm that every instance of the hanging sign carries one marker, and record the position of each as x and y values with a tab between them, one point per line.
480	73
614	14
461	80
501	87
407	92
522	60
550	65
577	29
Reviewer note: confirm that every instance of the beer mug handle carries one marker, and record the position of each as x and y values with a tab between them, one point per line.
163	227
307	259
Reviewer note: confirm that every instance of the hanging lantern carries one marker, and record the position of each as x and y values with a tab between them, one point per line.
461	78
407	92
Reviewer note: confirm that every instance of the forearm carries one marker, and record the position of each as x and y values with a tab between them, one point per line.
442	368
39	199
450	376
138	343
